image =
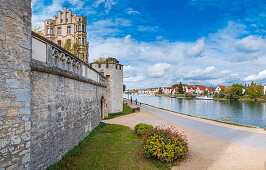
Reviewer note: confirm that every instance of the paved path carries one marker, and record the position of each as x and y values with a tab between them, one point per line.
250	139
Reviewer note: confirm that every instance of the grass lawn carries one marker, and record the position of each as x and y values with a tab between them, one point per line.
126	110
113	147
180	95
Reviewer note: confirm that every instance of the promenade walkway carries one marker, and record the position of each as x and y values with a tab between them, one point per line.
211	146
250	139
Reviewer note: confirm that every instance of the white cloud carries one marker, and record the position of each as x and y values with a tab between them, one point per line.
159	69
260	76
148	28
135	79
107	4
196	49
250	44
130	11
200	74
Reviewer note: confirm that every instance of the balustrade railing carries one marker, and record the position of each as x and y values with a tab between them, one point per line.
55	56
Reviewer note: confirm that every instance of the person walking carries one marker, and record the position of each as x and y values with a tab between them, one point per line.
136	101
131	99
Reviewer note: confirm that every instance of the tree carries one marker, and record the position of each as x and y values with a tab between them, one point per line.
75	48
255	91
222	93
205	92
101	60
67	45
174	85
180	88
124	87
160	91
111	59
37	29
237	89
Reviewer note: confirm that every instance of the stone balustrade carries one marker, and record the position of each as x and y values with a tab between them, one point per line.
54	55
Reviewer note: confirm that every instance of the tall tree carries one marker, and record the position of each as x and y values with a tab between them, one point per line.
180	88
37	29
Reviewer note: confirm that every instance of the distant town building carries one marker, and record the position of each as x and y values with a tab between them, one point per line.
68	28
219	88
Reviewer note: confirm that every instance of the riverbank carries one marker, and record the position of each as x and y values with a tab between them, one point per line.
206	152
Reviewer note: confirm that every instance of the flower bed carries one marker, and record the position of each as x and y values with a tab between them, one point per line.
163	144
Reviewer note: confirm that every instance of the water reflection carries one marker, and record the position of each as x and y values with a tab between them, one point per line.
242	112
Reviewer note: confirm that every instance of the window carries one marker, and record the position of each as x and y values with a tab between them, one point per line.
48	31
59	42
69	30
51	30
79	40
82	41
61	20
83	28
67	20
59	31
79	27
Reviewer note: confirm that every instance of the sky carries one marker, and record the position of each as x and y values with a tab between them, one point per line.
163	42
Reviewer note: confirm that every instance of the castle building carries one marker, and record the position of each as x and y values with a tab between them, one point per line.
114	74
68	28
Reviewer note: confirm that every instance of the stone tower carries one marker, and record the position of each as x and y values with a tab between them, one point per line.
114	74
68	28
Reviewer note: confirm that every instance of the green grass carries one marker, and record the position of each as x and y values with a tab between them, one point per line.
180	95
113	147
74	150
126	110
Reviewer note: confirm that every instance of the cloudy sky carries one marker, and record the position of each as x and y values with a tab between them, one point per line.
163	42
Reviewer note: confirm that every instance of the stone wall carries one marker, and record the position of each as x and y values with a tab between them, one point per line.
15	56
64	111
114	74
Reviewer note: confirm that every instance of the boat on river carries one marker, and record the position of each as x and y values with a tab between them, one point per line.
203	98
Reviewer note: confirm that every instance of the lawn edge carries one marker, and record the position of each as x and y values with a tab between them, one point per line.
76	148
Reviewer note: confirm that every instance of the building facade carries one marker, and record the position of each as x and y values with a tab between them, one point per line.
69	30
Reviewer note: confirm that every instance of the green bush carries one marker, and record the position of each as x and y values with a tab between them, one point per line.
165	145
136	109
141	128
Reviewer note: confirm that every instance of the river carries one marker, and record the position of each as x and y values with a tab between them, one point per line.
242	112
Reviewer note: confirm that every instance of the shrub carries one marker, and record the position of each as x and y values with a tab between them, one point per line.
166	145
141	128
136	109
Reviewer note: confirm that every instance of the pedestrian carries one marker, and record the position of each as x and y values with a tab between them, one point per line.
136	101
131	99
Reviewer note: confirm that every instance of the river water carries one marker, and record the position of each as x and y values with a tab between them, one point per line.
242	112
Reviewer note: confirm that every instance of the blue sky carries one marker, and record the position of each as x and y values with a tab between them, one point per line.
162	42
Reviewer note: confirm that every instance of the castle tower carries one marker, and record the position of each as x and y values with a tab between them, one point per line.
68	28
114	74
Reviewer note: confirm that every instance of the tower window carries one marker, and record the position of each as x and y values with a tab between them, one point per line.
61	20
48	31
83	28
67	20
69	30
82	41
79	40
51	30
59	31
79	27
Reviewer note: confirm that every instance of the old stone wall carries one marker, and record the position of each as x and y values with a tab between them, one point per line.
63	112
15	56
